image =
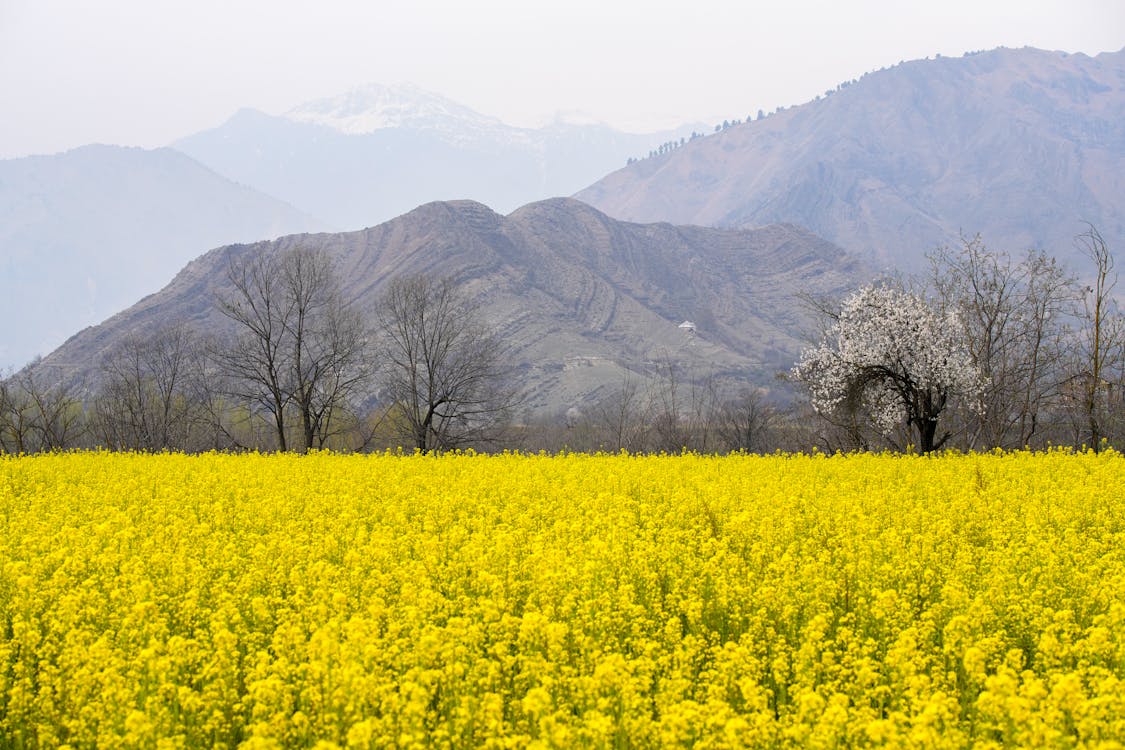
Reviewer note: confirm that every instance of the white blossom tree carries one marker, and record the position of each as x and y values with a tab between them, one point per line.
889	352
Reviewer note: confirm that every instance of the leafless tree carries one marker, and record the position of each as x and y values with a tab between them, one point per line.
256	362
744	421
301	348
1014	315
39	411
443	372
15	418
683	407
1100	346
666	417
330	359
620	419
147	399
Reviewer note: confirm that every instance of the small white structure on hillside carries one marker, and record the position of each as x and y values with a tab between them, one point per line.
687	326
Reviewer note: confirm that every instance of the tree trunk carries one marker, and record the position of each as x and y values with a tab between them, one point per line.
307	426
422	434
279	421
927	429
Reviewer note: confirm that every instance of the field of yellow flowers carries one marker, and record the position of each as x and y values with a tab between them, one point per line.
570	601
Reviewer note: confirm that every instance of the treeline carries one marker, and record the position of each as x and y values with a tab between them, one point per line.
988	351
167	391
672	145
762	114
304	370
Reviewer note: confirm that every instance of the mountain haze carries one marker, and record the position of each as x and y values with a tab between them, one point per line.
376	152
1020	145
89	231
580	299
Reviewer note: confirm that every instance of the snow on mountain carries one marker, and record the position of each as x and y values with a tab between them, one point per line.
373	107
376	152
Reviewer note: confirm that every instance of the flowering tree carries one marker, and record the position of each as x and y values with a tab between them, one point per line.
893	354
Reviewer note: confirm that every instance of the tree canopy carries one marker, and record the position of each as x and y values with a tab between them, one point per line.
893	356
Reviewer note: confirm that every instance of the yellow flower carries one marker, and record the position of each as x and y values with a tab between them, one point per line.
179	601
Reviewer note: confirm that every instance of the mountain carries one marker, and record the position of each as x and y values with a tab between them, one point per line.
1020	145
89	231
377	152
374	107
581	299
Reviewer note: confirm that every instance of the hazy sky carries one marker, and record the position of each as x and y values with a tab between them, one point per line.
145	72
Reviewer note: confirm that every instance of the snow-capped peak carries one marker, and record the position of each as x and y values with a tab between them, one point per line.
374	107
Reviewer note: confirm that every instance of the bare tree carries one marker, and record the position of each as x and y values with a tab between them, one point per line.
147	399
328	341
682	408
39	411
1100	347
256	361
620	418
1014	323
744	421
301	348
669	431
443	370
16	418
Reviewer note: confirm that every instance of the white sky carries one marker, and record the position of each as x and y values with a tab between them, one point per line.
145	72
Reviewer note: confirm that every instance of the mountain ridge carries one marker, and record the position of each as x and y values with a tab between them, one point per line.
376	152
1019	145
86	232
581	300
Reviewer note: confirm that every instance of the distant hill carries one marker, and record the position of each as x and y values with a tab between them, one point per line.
376	152
581	299
89	231
1020	145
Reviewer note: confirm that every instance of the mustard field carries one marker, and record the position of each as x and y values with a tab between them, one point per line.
572	601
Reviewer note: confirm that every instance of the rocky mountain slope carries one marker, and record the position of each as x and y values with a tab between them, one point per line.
580	298
376	152
1020	145
89	231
